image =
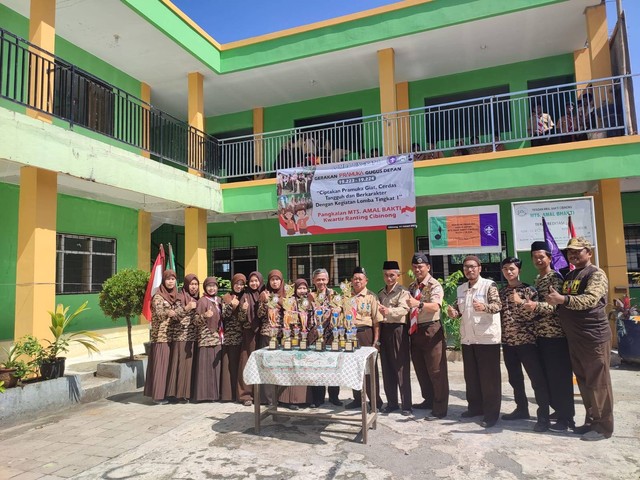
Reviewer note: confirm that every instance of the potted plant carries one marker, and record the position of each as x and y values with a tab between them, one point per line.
20	360
122	296
451	325
628	329
49	359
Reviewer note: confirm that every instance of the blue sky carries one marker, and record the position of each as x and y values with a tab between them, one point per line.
229	21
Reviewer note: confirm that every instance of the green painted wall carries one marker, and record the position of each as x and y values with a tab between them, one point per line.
87	217
9	195
229	122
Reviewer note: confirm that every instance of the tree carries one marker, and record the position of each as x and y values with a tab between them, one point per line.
122	296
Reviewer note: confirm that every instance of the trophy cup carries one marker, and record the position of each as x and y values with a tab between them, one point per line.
354	337
273	341
320	330
296	336
303	341
341	337
335	345
286	341
348	345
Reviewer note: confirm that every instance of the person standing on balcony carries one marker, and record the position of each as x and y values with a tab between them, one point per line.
183	340
208	357
165	306
540	127
566	124
581	308
478	307
519	346
394	341
551	340
249	333
234	317
367	321
428	342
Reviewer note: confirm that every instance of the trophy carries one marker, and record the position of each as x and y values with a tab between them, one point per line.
273	341
335	345
296	336
320	340
341	338
354	337
350	332
303	340
286	340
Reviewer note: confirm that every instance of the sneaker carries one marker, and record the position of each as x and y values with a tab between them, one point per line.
353	405
517	415
559	426
389	408
469	414
592	436
581	430
247	403
488	423
161	402
422	406
541	426
434	416
406	413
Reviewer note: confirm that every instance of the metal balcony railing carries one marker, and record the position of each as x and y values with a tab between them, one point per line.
571	112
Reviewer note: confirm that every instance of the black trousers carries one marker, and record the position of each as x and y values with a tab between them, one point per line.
527	356
556	361
396	366
365	339
481	366
318	394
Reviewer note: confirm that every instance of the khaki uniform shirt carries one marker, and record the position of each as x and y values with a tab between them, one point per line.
432	292
367	313
396	302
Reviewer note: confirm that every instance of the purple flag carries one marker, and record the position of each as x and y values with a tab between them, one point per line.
557	258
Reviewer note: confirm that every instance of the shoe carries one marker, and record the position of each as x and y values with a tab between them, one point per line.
581	430
353	405
541	426
313	405
488	423
422	406
247	403
293	407
161	402
516	415
389	408
469	414
559	426
593	436
406	413
336	402
433	416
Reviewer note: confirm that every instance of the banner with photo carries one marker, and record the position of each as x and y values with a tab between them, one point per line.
372	194
464	230
561	215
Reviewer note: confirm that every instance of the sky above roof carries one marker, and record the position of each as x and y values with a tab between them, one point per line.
230	21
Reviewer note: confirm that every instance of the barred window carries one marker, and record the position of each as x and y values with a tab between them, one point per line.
83	263
226	260
338	258
632	247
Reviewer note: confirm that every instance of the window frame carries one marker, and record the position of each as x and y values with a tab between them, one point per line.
335	275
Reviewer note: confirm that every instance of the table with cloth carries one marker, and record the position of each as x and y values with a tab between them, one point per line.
308	367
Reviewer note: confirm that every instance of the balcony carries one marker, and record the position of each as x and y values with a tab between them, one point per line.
563	113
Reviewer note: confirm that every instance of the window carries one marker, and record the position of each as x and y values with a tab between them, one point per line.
83	263
444	265
339	259
227	261
632	247
471	117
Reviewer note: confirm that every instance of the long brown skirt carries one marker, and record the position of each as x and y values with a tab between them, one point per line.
180	370
229	382
155	384
247	348
206	374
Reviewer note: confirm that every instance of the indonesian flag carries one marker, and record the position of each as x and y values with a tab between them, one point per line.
154	283
572	234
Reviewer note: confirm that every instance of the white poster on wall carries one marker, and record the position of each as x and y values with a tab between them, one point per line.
558	214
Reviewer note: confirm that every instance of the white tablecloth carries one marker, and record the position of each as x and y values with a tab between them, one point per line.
308	367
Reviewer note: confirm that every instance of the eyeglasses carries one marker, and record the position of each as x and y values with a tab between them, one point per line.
470	267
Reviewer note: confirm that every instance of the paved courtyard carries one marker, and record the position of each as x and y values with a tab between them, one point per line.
127	437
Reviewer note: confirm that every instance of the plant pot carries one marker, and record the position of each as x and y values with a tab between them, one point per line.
54	368
629	340
6	375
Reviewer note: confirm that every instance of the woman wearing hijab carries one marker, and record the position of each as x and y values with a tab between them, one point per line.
165	306
234	318
206	370
255	288
183	339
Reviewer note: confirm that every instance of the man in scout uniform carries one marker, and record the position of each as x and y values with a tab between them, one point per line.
428	343
394	340
366	320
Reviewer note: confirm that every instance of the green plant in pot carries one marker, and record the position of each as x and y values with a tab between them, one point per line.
20	361
50	360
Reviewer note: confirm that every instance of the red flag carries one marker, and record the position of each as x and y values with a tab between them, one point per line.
572	229
154	283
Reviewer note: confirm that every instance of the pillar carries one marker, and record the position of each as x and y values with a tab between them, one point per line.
195	242
399	242
145	121
196	121
610	230
144	246
42	32
258	147
598	40
36	264
404	121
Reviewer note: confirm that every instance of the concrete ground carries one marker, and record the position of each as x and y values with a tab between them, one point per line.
126	436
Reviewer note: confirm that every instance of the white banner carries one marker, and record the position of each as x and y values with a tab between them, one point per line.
373	194
527	220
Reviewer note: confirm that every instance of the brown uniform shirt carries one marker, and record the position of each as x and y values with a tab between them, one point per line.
432	292
396	302
367	313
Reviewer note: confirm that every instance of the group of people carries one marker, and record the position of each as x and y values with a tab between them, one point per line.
555	329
